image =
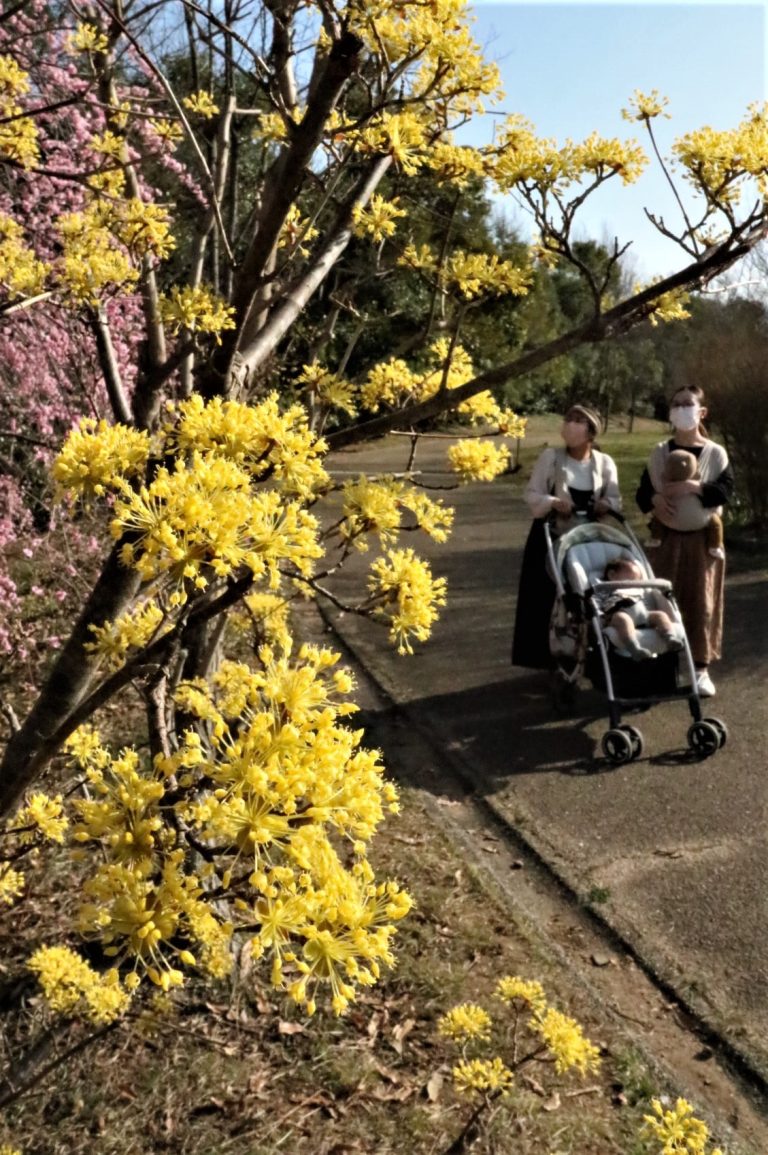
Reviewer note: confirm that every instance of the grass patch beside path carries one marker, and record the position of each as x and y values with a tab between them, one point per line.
231	1073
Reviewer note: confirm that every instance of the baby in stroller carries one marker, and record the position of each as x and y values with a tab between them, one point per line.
624	610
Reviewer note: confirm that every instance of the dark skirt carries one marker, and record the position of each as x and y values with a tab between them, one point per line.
535	599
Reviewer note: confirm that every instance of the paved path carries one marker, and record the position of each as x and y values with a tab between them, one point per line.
672	852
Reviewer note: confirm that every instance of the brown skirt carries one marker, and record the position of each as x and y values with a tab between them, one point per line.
697	581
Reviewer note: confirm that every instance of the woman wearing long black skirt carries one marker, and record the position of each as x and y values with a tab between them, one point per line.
564	481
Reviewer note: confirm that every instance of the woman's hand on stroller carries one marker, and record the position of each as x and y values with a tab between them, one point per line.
563	505
602	507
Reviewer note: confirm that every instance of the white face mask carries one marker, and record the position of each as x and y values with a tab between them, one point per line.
685	417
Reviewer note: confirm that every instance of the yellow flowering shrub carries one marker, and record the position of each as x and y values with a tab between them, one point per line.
273	802
494	1048
677	1131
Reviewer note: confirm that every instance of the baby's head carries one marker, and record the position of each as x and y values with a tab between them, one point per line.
623	569
680	465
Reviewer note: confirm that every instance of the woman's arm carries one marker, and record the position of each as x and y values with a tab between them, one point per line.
718	492
610	496
537	492
645	493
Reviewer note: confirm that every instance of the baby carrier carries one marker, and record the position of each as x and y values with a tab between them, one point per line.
582	645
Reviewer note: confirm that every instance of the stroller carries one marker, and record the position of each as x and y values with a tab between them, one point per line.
582	645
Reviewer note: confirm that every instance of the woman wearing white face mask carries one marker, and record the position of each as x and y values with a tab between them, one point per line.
565	481
683	556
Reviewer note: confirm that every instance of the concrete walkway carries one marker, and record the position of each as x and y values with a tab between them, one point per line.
670	850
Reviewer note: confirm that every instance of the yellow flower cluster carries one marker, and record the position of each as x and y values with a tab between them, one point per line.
197	309
327	389
45	816
553	1037
401	135
455	164
297	232
406	595
467	1021
446	63
646	106
478	460
678	1130
202	104
566	1041
18	134
11	884
87	38
470	275
21	273
484	1075
71	986
96	456
523	159
92	260
376	506
527	991
719	162
263	439
129	631
377	221
511	424
388	383
202	520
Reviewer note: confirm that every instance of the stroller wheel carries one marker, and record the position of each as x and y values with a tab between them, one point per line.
618	746
704	737
721	728
636	738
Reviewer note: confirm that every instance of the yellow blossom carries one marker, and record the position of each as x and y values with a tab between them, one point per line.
377	220
202	104
197	309
18	135
21	273
96	455
406	594
11	884
467	1021
510	987
677	1130
566	1042
327	388
478	460
87	38
44	814
645	107
483	1075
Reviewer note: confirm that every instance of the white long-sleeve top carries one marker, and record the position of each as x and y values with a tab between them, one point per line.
555	472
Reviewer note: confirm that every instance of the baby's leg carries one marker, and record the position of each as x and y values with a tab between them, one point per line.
663	624
627	634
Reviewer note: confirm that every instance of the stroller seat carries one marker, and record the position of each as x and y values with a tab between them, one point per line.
584	568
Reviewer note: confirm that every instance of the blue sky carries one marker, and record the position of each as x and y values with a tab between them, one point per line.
571	67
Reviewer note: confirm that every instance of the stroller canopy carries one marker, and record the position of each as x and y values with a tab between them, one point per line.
582	554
